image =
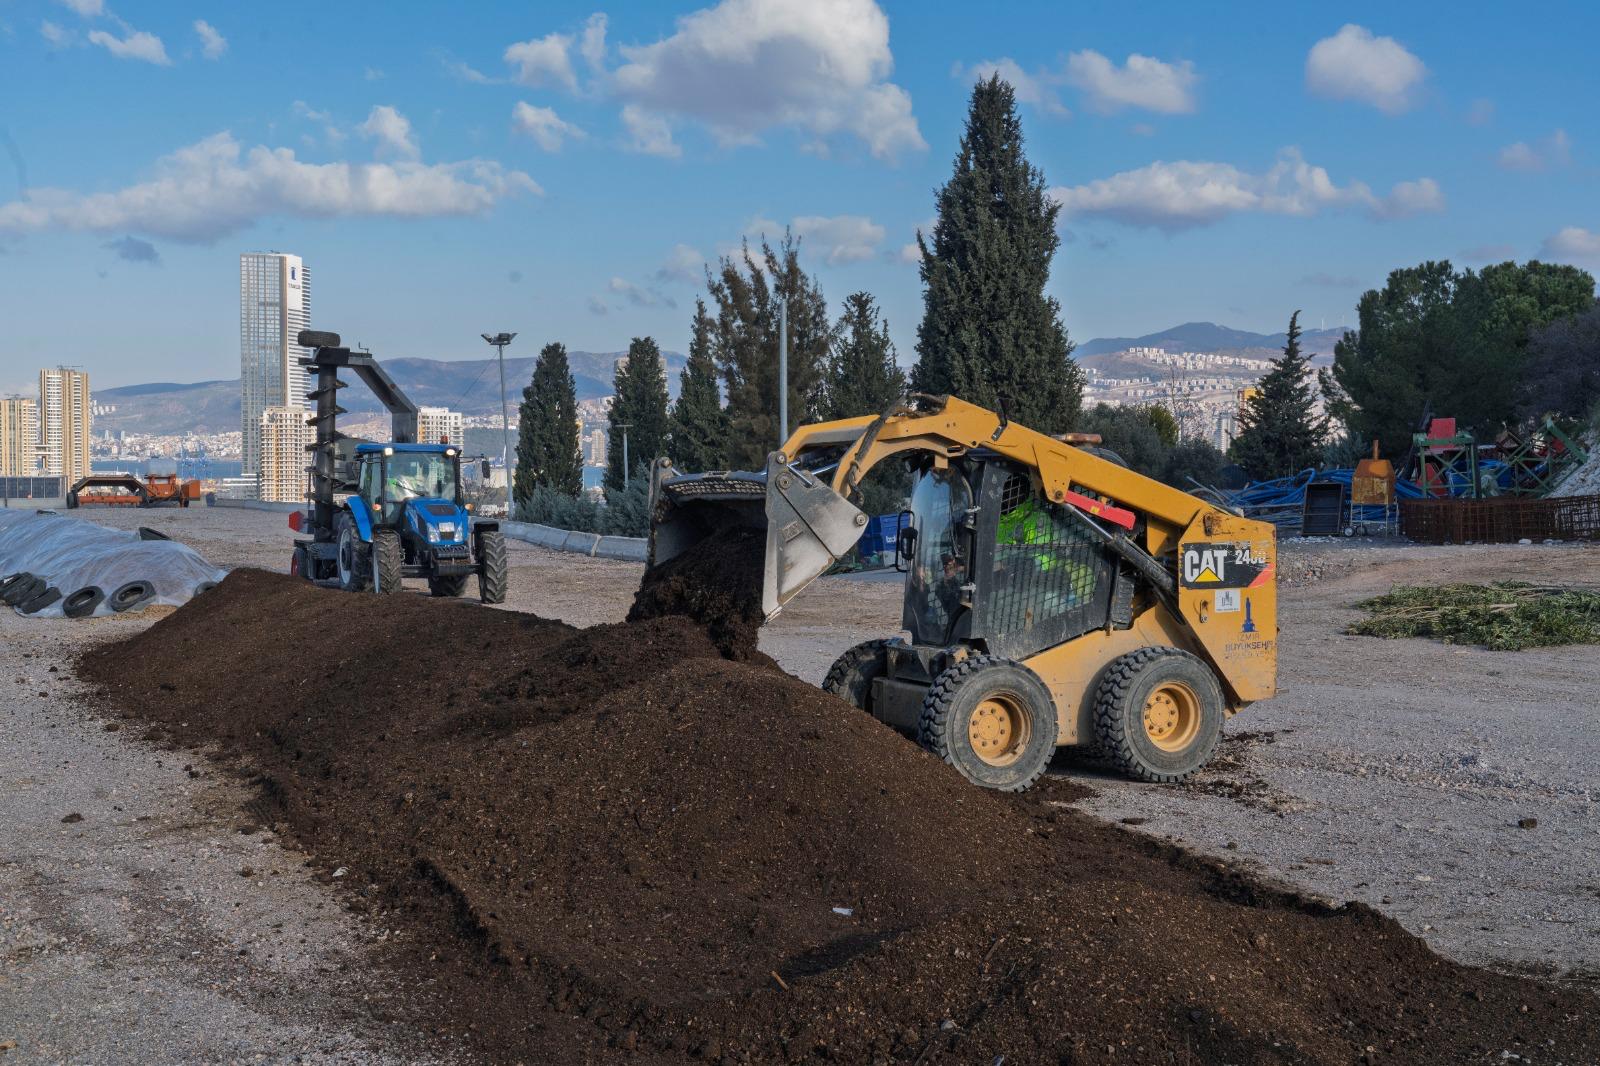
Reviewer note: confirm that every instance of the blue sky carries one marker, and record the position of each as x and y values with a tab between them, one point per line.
563	169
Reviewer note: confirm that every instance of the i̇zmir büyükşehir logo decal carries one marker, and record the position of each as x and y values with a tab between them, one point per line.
1222	566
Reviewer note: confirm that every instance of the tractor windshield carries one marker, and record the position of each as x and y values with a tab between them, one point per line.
413	474
940	560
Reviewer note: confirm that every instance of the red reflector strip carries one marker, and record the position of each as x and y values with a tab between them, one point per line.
1115	515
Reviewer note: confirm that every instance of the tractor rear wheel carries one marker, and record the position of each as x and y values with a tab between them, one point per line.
447	586
851	676
993	720
300	563
355	564
388	562
1158	714
492	565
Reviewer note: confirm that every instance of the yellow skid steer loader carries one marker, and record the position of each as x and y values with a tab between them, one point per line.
1052	596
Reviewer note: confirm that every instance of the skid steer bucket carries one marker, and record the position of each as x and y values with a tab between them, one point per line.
808	525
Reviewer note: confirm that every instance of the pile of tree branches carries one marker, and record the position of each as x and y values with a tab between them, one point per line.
1504	616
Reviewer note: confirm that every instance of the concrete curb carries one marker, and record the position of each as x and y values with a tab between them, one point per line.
627	549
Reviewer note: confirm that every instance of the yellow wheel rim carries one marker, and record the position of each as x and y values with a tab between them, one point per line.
1172	716
998	730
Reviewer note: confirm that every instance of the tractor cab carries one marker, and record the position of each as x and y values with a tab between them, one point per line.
392	475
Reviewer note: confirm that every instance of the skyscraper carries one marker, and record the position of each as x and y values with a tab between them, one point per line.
284	438
19	437
274	306
65	416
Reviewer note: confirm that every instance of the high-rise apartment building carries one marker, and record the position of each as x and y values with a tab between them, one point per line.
435	424
285	437
274	306
65	417
19	437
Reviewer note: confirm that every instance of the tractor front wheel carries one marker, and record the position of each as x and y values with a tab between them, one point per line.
388	562
1158	714
492	577
993	720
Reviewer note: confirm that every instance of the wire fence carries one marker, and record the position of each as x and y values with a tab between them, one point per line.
1501	520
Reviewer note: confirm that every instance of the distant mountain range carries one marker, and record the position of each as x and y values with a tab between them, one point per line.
471	386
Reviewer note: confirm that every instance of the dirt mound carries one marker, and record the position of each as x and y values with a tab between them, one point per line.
716	583
617	844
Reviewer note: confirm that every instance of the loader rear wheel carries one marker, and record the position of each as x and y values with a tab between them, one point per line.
1158	713
388	562
851	676
993	720
447	586
492	580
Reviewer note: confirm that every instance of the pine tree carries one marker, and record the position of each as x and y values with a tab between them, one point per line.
747	293
699	424
547	429
1280	431
989	334
641	405
863	375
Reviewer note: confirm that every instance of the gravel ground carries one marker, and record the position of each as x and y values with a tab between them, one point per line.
1393	772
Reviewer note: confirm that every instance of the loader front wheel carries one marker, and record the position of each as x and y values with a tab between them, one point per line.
851	676
1158	714
388	562
993	720
492	579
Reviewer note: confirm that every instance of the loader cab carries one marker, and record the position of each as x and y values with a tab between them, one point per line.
391	474
995	564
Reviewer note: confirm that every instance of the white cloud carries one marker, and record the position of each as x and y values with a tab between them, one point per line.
745	66
547	129
840	238
592	43
650	134
212	43
1545	154
639	296
1481	113
910	253
544	62
683	264
1183	194
392	131
461	70
330	128
1142	82
57	36
372	74
1573	242
1355	65
212	188
1036	89
598	306
86	8
139	45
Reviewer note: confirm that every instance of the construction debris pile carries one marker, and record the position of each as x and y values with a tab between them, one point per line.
618	844
1504	616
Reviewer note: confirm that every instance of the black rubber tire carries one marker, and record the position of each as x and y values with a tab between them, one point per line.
447	586
72	501
40	601
146	533
299	563
82	604
388	562
23	590
130	595
355	571
1119	713
492	566
12	580
947	713
851	675
202	588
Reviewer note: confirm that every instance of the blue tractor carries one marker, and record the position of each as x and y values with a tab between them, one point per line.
382	512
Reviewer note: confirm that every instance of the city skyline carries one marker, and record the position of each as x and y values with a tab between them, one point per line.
552	172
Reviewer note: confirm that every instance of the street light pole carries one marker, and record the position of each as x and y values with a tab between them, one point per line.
500	340
783	370
625	426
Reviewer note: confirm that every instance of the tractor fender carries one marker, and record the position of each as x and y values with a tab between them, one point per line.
361	513
483	525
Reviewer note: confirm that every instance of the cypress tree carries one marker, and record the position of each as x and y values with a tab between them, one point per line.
641	405
863	376
547	429
699	425
747	293
990	334
1280	432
